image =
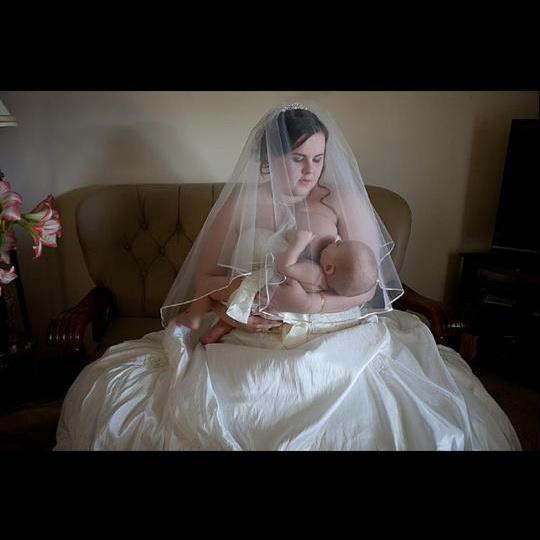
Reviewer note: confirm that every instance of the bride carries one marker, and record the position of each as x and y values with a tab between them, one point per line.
249	359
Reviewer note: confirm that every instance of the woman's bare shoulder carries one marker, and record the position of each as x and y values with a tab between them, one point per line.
322	198
336	200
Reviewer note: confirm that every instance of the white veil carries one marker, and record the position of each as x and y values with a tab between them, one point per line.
272	190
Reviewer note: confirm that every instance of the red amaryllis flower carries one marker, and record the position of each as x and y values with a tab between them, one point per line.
43	223
9	203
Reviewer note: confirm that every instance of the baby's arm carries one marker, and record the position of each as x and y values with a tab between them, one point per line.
307	272
334	303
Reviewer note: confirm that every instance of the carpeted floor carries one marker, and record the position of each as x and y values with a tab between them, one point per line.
31	426
520	402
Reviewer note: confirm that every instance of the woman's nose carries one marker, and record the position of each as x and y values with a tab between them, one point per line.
308	166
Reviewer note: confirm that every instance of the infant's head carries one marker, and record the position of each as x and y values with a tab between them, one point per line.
350	267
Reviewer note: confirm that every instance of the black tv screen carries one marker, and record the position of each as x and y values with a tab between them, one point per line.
517	227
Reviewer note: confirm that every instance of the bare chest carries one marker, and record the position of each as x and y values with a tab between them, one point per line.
320	220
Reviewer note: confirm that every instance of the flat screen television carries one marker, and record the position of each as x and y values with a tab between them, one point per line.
517	226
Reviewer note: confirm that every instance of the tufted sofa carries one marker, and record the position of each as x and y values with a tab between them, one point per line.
132	240
120	250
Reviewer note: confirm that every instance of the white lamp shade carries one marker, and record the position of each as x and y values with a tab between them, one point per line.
5	117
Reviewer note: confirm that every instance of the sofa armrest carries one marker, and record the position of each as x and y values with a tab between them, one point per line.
67	330
449	325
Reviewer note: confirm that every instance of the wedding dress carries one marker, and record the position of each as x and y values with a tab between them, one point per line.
336	381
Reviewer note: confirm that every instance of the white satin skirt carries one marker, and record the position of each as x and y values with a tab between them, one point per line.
381	383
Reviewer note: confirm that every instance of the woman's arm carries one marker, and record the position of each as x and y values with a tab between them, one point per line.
208	275
334	303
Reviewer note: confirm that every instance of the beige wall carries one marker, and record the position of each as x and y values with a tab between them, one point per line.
442	151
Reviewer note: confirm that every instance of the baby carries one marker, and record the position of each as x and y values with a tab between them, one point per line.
347	268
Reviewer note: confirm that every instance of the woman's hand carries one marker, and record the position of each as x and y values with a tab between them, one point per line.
254	324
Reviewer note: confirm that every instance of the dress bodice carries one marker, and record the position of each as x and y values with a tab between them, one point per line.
262	241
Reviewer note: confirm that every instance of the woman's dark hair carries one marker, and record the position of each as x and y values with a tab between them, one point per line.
294	127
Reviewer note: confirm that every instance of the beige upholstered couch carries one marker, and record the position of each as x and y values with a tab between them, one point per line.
120	250
133	240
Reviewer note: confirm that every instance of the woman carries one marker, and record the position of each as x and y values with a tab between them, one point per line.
326	372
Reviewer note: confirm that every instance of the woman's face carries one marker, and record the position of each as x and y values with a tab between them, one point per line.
301	168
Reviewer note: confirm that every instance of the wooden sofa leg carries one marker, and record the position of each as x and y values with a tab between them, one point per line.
468	347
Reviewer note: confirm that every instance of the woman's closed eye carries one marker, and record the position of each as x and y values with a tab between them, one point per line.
299	159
